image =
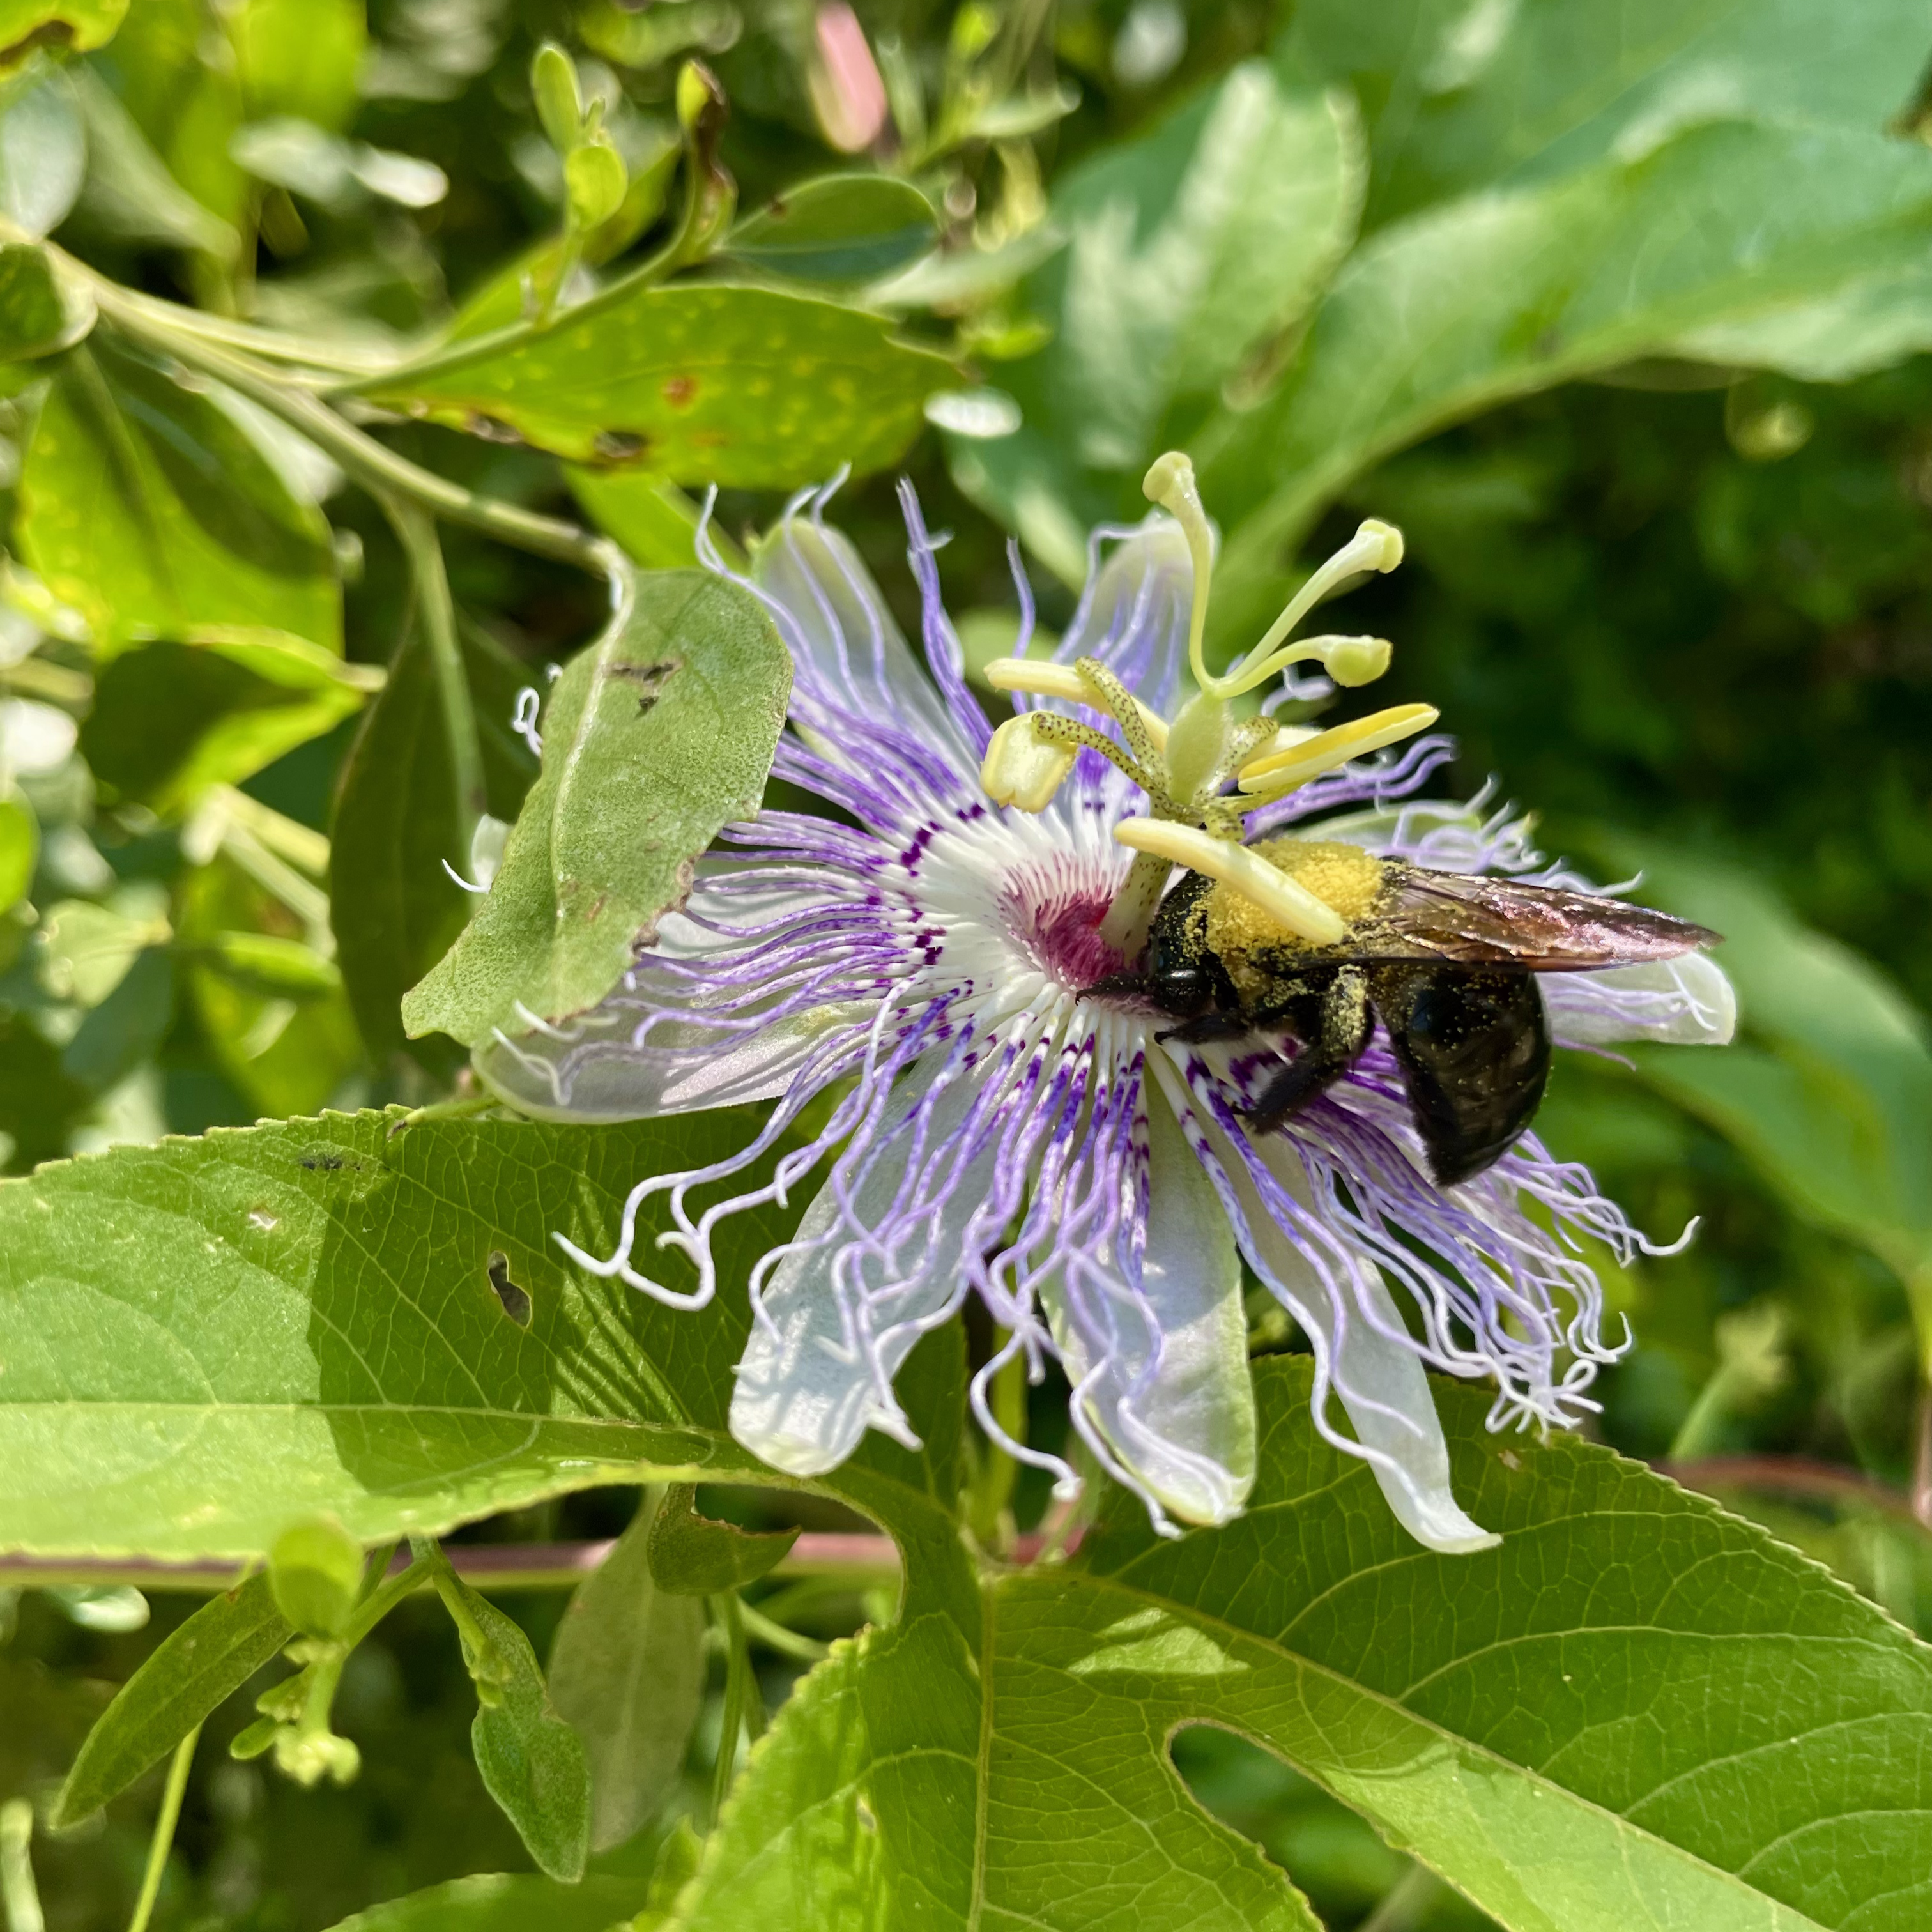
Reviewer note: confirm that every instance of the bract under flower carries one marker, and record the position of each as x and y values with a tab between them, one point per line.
994	1134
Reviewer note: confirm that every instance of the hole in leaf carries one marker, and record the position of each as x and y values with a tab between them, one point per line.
1331	1852
516	1301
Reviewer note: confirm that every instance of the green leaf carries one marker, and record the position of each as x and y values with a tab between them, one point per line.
1457	99
86	949
1455	310
315	1571
39	1099
702	383
654	738
151	509
196	1667
265	963
1189	251
627	1671
507	1902
842	229
1635	1710
693	1556
653	519
20	848
39	313
532	1762
170	720
43	157
300	58
1831	1098
205	1338
77	24
288	1055
394	911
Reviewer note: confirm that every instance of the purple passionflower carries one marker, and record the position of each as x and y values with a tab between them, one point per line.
915	966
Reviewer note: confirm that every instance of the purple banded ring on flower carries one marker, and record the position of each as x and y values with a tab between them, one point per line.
1098	1182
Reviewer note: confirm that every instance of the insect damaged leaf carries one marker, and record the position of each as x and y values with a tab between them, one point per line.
747	388
694	1555
654	738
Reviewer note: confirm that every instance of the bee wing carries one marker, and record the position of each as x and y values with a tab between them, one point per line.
1457	916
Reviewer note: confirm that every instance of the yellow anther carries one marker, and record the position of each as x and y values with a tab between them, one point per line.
1281	771
1376	546
1355	661
1053	680
1237	867
1018	769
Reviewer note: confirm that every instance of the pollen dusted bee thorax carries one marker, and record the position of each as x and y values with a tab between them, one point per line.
1235	929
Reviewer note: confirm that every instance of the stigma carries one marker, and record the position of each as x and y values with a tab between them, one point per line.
1207	768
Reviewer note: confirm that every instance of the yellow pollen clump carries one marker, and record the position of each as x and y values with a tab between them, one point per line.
1343	876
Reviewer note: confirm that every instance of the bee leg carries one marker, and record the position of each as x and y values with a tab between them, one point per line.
1206	1027
1329	1048
1118	986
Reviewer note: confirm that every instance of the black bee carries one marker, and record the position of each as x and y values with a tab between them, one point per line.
1446	960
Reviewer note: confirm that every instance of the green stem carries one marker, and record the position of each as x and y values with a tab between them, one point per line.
786	1642
377	468
163	1841
417	529
739	1690
18	1892
1406	1903
272	345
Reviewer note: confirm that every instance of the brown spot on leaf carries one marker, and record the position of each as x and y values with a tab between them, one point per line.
647	934
490	429
650	678
618	445
48	34
681	391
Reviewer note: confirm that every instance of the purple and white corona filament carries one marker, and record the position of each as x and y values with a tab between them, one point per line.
993	1134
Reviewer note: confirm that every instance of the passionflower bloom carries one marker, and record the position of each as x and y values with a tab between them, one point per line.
915	966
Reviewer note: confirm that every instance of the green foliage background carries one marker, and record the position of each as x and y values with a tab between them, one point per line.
1617	311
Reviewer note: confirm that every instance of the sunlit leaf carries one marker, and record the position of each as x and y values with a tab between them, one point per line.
1188	251
1458	98
1460	307
205	1340
701	382
1636	1710
27	25
286	1054
39	313
653	738
43	157
148	507
840	228
19	845
509	1902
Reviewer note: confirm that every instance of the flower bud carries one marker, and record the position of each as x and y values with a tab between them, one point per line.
560	105
596	178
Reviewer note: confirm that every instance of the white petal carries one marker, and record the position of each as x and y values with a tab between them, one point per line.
1133	615
1687	1001
806	1389
854	654
1373	1373
593	1073
1187	1436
